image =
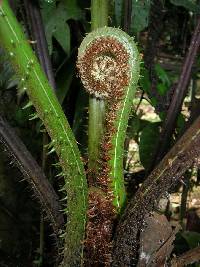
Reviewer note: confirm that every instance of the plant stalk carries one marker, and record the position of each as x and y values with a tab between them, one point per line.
34	82
99	18
99	14
33	174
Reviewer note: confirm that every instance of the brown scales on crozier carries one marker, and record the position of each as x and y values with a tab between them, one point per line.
104	71
101	212
103	179
103	68
99	229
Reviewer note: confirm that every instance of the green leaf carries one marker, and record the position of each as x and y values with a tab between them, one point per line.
47	10
140	15
191	5
7	78
118	12
55	19
64	79
162	89
162	75
165	82
144	80
192	238
162	115
135	126
80	127
63	37
180	123
148	141
154	101
21	116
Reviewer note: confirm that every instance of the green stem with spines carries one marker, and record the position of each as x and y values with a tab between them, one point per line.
34	82
121	121
99	18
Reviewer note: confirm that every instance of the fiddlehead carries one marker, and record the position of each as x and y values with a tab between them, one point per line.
108	63
34	82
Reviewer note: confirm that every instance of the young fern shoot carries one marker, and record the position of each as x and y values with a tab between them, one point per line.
108	63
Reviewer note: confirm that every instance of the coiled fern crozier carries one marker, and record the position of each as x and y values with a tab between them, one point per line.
108	63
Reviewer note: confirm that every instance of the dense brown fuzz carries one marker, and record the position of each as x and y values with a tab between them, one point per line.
99	229
104	68
101	212
105	72
103	177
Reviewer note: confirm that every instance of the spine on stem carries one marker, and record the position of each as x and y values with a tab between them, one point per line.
33	81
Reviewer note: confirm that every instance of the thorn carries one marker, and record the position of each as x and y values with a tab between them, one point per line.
43	130
57	165
50	145
22	180
33	117
52	235
61	174
63	235
63	199
51	151
21	91
62	189
182	182
65	210
29	104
